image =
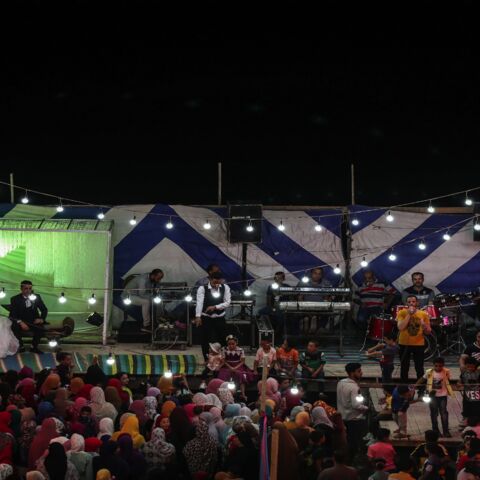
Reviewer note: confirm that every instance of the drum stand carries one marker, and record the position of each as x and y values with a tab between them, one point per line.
455	343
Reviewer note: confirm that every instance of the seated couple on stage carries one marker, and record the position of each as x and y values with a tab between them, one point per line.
28	315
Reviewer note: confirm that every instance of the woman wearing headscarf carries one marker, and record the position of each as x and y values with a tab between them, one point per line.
51	383
201	452
131	427
100	407
207	418
287	460
213	400
25	372
95	375
321	422
27	432
40	442
168	407
200	399
105	429
153	392
81	460
85	391
92	445
16	423
225	396
136	462
165	385
290	422
61	403
213	386
28	393
150	407
231	411
7	443
124	396
218	422
45	410
107	459
181	431
112	396
138	408
76	385
157	451
55	465
103	474
301	432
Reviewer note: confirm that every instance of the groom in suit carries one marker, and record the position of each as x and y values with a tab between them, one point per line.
28	313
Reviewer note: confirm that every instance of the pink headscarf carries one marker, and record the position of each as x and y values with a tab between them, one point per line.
189	411
214	385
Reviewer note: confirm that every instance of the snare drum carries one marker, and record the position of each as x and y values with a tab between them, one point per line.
432	311
380	325
398	308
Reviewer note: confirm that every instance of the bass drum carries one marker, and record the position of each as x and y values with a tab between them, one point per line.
430	346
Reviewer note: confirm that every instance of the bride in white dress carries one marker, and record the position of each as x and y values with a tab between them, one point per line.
8	341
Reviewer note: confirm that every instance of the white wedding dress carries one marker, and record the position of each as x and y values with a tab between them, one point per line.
8	341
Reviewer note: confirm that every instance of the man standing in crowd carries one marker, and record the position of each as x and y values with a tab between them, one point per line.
424	294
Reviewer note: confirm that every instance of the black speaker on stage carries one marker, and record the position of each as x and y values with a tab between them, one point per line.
245	223
476	233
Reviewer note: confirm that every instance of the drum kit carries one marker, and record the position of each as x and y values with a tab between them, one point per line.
445	318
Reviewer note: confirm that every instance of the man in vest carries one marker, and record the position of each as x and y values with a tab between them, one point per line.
438	388
212	301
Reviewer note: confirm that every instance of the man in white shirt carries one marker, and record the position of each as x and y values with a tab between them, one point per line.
211	269
351	406
212	301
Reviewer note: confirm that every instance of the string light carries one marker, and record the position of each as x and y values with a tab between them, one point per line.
359	398
275	286
157	299
305	279
32	297
392	257
426	398
231	385
318	227
249	227
92	300
468	201
390	217
169	224
431	208
62	298
206	225
355	222
2	293
188	298
60	206
52	343
133	220
337	270
25	199
281	226
101	215
294	389
110	359
168	374
476	225
216	294
247	292
364	263
446	236
127	300
422	245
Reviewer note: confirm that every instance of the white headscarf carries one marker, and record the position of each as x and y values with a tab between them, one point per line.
320	417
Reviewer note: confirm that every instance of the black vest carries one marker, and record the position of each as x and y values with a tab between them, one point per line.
210	300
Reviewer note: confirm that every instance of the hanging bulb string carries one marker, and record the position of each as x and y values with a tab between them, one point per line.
339	214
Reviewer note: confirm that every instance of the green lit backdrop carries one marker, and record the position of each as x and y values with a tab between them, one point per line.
70	256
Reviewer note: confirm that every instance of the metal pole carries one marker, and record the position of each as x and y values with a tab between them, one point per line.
353	183
107	299
219	183
12	195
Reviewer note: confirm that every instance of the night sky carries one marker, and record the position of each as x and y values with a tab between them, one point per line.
115	115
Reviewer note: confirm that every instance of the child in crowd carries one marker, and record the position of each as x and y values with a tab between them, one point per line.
287	358
265	351
87	420
420	454
383	448
380	473
214	361
470	385
312	363
401	400
404	468
386	350
439	388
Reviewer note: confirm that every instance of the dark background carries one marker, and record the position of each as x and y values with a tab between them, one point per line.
130	112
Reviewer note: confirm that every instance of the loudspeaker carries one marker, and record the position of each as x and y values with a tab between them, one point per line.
245	223
476	211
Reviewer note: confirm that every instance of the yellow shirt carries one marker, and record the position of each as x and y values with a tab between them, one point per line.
400	476
413	334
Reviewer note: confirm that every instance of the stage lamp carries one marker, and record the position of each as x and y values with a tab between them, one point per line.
92	300
157	299
127	300
2	293
110	359
133	221
62	298
390	217
52	343
168	374
337	270
364	263
207	225
281	226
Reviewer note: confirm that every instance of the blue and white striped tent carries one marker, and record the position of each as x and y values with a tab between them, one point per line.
185	251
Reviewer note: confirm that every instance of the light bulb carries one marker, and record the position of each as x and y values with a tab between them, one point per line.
392	257
422	245
281	226
32	297
2	293
305	279
426	398
188	298
359	398
446	237
318	227
92	300
157	299
249	227
231	385
169	225
52	343
110	360
355	222
390	217
275	286
247	292
294	390
101	216
127	300
168	374
216	294
62	298
60	208
476	226
133	221
207	225
468	201
337	270
431	209
25	199
364	263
